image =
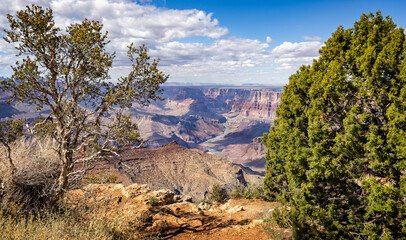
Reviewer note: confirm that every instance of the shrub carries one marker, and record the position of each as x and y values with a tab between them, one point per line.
100	178
36	173
251	190
217	193
153	201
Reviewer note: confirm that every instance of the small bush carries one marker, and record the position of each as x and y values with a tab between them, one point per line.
100	178
281	217
274	231
153	201
237	191
217	194
254	190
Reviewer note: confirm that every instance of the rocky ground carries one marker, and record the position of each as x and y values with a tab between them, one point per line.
149	214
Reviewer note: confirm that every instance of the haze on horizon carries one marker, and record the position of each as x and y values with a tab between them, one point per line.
211	41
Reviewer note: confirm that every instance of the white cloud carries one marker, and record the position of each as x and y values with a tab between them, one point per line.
234	59
290	55
127	20
289	52
312	38
162	30
124	18
144	1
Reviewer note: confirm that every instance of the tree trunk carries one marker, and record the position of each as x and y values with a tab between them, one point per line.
66	161
13	168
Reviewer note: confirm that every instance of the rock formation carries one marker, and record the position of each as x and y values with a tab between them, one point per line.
256	103
182	170
218	120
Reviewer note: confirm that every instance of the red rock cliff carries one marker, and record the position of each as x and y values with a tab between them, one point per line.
256	103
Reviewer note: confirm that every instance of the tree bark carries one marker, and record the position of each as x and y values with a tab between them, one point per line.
66	162
13	169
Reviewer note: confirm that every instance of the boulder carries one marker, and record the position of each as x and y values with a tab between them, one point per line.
163	196
236	209
204	206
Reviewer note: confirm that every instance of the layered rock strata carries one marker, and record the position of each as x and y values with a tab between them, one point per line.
184	171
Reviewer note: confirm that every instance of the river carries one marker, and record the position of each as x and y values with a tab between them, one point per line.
210	144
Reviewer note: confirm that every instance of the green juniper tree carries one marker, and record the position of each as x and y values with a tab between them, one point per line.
67	72
336	154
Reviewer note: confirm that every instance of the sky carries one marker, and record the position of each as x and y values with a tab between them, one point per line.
212	41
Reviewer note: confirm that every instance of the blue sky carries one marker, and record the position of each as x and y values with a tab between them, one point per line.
289	20
214	41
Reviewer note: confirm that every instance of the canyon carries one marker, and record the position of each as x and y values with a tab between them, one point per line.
228	121
182	170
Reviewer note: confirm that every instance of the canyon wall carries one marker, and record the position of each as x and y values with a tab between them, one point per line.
172	166
257	103
225	121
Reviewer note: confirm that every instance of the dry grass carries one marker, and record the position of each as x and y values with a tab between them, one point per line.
68	224
46	226
30	154
76	217
37	169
